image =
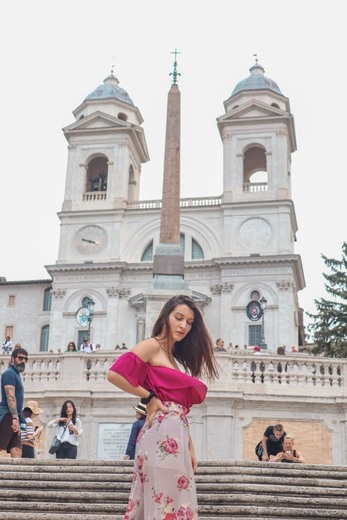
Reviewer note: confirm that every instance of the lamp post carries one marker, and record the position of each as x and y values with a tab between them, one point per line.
263	303
84	315
90	306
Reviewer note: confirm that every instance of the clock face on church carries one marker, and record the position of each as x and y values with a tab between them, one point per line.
90	240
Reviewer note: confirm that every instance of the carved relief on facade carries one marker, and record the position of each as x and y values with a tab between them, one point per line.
121	292
221	287
255	232
283	285
58	293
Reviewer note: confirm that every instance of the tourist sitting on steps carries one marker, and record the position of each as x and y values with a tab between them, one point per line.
289	454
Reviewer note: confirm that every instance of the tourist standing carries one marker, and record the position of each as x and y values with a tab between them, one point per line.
69	430
165	460
12	398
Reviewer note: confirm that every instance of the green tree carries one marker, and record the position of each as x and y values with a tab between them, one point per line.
329	326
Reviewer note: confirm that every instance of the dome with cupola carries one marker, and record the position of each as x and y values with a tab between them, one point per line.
257	81
110	90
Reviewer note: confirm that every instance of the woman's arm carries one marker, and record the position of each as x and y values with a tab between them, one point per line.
193	457
54	423
299	456
76	428
120	382
279	457
145	351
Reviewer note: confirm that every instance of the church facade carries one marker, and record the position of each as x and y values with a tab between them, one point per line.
240	263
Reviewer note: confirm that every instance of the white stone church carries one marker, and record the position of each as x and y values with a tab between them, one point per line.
239	246
239	256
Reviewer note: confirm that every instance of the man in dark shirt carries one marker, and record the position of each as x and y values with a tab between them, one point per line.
272	441
11	405
141	414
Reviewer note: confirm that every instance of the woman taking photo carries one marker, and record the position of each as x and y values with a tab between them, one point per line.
69	430
165	460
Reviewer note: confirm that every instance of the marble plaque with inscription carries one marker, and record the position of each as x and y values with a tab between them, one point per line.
113	440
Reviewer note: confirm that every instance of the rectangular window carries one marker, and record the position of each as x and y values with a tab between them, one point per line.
11	300
44	338
47	299
9	330
254	334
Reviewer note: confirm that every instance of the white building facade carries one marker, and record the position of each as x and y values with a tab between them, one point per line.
238	246
238	250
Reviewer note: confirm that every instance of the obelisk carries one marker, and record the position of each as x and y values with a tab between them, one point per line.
168	260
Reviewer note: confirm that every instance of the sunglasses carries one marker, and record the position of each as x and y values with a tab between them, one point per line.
22	358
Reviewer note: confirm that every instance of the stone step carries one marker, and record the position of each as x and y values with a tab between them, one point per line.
79	501
235	513
44	490
99	490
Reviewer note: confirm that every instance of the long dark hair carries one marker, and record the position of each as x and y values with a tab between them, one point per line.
195	352
63	412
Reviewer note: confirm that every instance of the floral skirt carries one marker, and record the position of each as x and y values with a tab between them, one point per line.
163	486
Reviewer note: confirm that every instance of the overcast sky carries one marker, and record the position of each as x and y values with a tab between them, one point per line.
54	53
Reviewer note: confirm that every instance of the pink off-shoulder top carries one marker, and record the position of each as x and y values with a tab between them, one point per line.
168	384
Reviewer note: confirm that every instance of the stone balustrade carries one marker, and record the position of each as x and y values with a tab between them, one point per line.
184	203
302	391
267	372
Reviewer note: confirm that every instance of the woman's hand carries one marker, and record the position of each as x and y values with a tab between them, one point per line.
193	457
280	456
73	429
153	407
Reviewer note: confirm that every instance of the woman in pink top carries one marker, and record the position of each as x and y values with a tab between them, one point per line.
165	461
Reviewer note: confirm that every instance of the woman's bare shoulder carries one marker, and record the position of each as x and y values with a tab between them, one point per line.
146	348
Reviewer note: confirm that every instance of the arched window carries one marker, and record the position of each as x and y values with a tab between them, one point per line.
47	299
197	252
97	174
44	338
255	169
148	253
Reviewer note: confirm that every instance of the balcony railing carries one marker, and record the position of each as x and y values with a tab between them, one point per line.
184	203
94	195
255	186
294	374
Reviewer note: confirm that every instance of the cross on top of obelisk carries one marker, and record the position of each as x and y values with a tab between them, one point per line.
175	74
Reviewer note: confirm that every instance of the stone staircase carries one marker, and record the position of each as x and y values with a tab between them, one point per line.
98	490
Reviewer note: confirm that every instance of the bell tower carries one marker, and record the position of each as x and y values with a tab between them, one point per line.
259	221
258	137
107	147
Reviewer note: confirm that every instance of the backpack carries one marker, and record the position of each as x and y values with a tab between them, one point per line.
259	450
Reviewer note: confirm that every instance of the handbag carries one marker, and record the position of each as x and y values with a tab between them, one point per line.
56	443
259	450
